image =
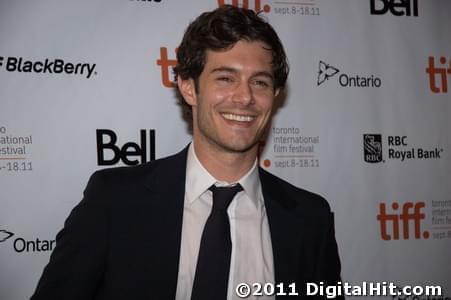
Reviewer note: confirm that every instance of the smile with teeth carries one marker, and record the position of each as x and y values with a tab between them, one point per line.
239	118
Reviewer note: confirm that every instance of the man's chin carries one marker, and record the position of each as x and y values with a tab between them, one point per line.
238	147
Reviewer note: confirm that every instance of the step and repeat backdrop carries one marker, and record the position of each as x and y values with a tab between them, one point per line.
365	121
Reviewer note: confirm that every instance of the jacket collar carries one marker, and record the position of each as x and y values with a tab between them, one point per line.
166	181
285	227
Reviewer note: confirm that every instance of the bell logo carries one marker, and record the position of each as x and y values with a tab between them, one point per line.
257	5
401	220
396	7
165	63
438	84
128	150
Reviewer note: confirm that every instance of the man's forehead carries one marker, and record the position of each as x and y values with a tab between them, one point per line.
241	54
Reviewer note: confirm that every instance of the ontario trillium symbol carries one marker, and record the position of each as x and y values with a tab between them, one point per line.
325	71
4	235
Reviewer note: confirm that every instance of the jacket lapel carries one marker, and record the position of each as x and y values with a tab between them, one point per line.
285	229
165	184
166	191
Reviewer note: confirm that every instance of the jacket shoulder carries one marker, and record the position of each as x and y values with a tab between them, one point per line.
293	197
117	179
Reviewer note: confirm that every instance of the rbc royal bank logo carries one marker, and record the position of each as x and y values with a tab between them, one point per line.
372	148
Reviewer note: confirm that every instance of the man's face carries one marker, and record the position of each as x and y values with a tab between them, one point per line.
235	97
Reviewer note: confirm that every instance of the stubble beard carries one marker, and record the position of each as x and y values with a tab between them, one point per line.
212	137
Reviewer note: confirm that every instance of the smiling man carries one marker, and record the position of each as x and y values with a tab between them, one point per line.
198	224
231	103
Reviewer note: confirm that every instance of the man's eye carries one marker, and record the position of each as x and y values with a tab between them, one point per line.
262	83
225	79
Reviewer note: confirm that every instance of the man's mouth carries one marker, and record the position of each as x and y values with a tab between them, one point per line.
238	118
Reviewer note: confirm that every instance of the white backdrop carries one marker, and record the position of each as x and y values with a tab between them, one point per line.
369	96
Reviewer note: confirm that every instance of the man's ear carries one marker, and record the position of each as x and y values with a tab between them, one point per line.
276	92
188	90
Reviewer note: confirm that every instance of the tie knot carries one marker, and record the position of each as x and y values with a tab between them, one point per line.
223	195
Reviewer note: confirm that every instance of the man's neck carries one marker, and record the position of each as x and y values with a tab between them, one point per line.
223	165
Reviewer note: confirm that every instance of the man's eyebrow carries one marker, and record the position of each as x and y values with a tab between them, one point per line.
232	70
265	74
224	69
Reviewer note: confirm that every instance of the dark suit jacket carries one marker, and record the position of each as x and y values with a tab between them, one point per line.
122	241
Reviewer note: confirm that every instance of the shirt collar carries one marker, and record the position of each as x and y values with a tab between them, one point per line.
198	180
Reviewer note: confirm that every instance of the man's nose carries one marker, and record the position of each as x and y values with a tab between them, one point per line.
243	94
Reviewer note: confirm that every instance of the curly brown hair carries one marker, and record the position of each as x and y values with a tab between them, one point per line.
221	29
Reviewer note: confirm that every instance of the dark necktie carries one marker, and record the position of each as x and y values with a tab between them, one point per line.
213	264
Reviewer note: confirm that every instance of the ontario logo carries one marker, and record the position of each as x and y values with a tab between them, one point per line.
21	245
4	235
327	71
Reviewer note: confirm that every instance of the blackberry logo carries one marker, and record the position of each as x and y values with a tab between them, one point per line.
47	66
372	148
325	71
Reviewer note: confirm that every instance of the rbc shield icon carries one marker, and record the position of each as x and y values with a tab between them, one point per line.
372	148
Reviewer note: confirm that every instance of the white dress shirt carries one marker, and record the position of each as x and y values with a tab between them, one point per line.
252	258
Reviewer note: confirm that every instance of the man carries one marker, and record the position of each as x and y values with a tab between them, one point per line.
156	231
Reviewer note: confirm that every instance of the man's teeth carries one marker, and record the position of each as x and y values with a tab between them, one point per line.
238	118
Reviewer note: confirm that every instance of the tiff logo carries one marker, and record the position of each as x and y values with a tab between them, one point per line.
401	220
396	7
438	76
245	4
165	63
